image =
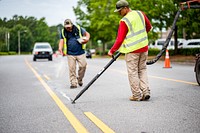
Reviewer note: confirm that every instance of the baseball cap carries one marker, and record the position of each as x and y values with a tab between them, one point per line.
68	23
120	4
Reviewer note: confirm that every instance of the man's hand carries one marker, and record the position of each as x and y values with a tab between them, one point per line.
109	53
60	46
60	51
85	40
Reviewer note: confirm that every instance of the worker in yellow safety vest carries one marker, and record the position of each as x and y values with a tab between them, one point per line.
132	40
72	43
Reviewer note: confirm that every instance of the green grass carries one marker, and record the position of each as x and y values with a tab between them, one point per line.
14	53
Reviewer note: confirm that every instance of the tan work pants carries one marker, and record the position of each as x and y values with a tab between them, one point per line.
137	73
72	60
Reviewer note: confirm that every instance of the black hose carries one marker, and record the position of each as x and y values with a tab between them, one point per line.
166	41
171	33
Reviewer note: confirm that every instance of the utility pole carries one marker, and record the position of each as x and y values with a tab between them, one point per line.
19	45
18	42
6	38
8	41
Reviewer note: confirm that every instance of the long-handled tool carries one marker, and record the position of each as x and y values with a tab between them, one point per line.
96	77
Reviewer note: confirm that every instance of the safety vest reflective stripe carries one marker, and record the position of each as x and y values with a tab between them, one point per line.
65	40
79	29
131	29
141	17
80	35
134	43
65	43
134	39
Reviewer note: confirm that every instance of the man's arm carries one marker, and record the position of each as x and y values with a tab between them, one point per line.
87	35
147	23
122	31
61	43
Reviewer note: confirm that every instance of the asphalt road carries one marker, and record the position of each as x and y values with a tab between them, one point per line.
35	98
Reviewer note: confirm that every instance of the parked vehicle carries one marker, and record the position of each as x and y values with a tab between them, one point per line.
197	68
88	54
191	43
160	42
42	50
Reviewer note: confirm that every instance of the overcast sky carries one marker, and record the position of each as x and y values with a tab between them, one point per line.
54	11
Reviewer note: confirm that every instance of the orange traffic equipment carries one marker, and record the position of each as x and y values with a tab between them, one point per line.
167	60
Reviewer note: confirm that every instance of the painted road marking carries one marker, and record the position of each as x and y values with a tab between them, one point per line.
99	123
174	80
64	95
68	114
46	77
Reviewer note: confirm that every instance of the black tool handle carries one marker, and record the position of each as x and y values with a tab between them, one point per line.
96	77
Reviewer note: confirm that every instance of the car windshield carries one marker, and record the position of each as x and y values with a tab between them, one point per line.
161	42
194	43
42	46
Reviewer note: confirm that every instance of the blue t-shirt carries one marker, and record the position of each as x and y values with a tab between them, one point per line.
73	46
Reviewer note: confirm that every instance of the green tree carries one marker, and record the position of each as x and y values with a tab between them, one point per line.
55	35
189	24
26	38
98	17
4	39
38	31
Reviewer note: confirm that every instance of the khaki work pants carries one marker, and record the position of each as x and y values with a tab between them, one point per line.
137	73
72	60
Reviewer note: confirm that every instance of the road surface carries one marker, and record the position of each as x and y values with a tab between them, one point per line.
35	98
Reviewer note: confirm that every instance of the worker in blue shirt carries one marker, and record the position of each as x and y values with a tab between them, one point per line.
72	44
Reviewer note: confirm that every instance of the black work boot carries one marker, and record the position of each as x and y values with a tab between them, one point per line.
73	86
146	97
80	82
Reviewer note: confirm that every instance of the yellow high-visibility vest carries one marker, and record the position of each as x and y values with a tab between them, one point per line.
65	40
136	37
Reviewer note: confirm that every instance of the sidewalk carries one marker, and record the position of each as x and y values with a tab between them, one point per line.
178	59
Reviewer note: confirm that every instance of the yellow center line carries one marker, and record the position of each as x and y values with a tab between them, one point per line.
46	77
68	114
99	123
174	80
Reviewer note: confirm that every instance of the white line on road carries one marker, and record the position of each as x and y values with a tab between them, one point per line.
64	95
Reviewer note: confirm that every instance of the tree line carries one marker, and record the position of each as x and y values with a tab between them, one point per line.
102	22
29	30
99	19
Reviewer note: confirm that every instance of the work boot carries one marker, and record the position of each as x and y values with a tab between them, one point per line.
73	86
145	97
135	99
80	82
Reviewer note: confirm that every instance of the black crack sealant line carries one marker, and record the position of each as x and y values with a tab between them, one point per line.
184	5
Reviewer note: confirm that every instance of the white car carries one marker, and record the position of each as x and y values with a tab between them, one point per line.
42	50
160	42
191	43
